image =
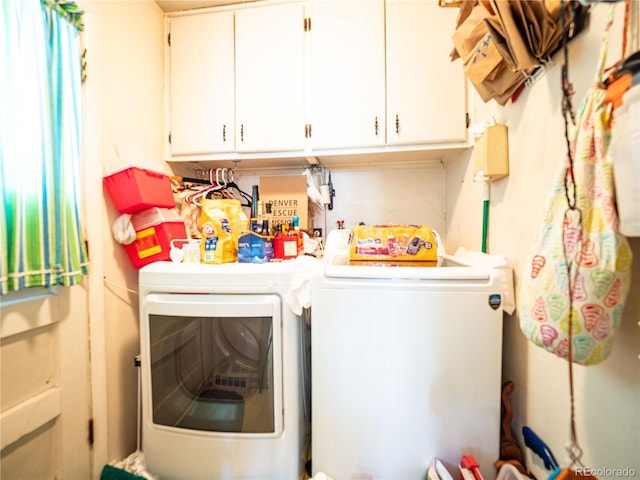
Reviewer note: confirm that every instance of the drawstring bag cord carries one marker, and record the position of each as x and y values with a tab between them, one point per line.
567	110
575	452
573	214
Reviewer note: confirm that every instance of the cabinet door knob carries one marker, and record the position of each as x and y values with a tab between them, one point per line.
397	124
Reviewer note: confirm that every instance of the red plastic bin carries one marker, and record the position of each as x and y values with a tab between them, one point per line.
155	228
135	189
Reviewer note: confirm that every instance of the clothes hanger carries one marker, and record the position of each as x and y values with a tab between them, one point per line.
230	185
214	185
220	179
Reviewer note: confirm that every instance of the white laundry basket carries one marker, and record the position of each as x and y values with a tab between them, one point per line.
625	150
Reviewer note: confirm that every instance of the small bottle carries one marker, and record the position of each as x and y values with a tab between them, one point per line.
296	227
278	243
255	196
255	204
266	222
257	222
290	243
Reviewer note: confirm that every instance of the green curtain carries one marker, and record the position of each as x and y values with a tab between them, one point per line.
42	242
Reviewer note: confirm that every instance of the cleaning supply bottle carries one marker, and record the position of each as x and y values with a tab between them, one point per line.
266	220
296	228
278	243
255	204
255	196
290	241
264	230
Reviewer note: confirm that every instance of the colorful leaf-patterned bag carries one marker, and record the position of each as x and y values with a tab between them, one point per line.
580	264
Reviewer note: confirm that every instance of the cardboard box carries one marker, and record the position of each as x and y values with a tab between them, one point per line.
288	195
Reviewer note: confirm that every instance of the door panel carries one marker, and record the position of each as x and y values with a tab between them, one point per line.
45	387
269	78
202	84
347	74
426	95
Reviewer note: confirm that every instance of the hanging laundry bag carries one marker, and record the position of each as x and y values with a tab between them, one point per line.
579	261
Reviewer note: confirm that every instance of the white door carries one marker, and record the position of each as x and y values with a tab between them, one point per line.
201	84
269	78
347	74
46	403
426	95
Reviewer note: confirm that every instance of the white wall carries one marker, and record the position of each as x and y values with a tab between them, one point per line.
608	395
411	193
125	68
408	194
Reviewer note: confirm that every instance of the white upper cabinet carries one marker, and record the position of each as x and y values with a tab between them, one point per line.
426	95
326	76
346	84
270	78
201	84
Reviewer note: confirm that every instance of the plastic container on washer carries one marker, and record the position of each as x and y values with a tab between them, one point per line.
155	229
136	189
625	151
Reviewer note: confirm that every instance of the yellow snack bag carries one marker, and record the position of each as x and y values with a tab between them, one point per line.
393	243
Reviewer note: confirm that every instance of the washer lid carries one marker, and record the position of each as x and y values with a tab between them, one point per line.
447	268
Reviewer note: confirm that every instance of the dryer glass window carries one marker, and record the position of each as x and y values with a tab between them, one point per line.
213	373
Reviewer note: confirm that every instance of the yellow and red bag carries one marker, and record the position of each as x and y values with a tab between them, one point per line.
393	243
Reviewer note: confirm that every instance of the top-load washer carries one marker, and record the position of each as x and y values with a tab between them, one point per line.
406	366
224	364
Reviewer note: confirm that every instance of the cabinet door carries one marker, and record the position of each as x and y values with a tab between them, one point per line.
269	78
426	94
347	73
201	84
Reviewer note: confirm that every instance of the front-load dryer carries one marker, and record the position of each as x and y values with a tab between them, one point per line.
224	365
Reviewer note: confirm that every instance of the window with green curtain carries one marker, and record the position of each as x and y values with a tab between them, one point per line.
41	237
